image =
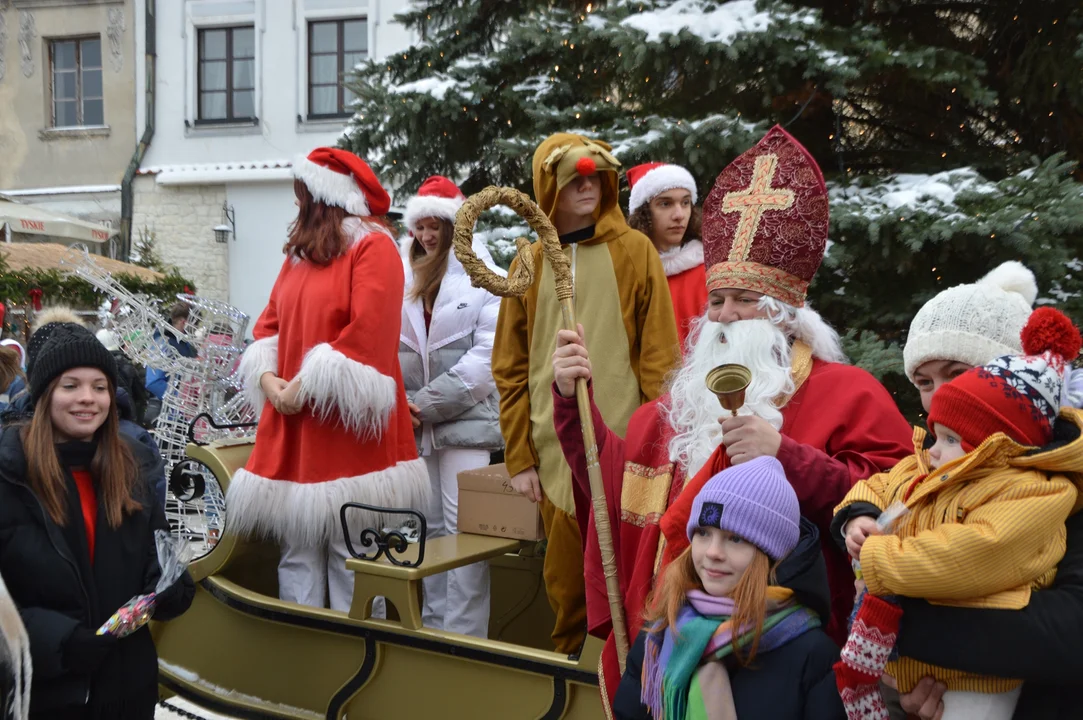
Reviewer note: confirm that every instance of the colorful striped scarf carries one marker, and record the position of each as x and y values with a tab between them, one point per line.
704	632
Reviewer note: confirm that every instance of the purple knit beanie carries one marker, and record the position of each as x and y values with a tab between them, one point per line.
753	500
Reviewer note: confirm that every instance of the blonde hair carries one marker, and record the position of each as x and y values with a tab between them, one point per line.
749	599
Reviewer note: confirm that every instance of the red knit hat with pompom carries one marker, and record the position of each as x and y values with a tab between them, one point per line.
1016	395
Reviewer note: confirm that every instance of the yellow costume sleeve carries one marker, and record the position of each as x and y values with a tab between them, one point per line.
1006	542
511	369
660	348
882	488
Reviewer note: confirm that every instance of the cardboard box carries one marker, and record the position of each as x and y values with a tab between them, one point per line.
489	505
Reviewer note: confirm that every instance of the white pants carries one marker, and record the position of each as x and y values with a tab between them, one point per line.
458	600
305	574
962	705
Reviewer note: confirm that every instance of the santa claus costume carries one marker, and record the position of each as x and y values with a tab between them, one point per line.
329	329
683	263
764	231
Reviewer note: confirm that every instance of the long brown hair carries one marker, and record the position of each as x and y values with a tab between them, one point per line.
429	268
113	467
9	366
749	599
642	221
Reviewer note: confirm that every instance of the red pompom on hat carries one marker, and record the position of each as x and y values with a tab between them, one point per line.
1050	331
437	197
1017	395
340	178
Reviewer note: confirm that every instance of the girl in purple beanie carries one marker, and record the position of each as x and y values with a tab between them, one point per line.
733	628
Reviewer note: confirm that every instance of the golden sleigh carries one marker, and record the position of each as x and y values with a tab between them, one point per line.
241	651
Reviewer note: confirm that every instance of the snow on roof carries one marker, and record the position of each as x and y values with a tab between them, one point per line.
69	190
910	192
711	22
216	167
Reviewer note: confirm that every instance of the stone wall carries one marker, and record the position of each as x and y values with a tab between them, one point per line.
184	217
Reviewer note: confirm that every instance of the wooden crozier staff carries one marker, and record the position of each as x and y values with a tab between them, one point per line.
516	285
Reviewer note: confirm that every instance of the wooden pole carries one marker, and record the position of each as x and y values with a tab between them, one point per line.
515	286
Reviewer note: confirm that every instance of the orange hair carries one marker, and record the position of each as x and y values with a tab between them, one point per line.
749	599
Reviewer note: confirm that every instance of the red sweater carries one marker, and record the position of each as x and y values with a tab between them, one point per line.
88	502
840	427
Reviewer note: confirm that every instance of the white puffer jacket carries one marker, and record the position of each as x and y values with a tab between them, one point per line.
447	369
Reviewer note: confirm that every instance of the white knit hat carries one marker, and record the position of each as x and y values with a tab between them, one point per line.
974	323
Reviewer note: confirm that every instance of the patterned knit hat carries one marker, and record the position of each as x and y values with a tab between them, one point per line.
765	221
649	180
973	323
1016	395
753	500
69	346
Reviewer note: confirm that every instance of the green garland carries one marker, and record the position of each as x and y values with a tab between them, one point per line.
58	288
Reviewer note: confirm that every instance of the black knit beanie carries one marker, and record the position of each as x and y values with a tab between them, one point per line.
68	346
39	338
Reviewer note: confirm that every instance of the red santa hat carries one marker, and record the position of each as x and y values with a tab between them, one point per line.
652	179
1016	395
437	197
340	178
765	221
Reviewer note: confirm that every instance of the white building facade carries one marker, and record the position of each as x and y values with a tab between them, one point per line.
243	87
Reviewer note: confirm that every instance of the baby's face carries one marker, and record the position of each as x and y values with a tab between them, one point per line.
948	447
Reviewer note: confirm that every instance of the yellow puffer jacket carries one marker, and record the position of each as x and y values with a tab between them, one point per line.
983	531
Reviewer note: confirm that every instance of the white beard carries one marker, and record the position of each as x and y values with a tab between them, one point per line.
693	411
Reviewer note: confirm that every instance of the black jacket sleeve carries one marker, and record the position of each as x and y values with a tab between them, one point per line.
48	632
1040	643
627	704
821	693
848	513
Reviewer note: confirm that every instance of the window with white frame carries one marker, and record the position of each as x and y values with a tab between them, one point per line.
335	47
76	78
226	76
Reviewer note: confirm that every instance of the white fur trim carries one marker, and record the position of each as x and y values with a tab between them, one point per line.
307	514
425	206
331	187
258	358
659	180
362	396
683	258
1013	276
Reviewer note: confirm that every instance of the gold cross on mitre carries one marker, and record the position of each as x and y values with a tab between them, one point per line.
753	202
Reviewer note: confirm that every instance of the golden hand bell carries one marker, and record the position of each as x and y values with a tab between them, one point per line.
729	383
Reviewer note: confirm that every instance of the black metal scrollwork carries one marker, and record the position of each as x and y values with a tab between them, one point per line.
213	424
386	543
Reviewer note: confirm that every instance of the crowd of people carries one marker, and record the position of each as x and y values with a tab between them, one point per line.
810	556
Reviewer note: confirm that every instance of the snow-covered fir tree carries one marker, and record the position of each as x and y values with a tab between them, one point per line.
949	131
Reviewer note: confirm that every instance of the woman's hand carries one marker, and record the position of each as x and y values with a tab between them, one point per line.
926	700
856	531
570	361
288	402
281	394
415	414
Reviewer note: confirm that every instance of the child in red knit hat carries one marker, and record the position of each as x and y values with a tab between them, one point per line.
987	504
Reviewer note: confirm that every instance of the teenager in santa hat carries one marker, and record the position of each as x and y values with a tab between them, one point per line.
445	353
987	504
663	207
622	299
324	371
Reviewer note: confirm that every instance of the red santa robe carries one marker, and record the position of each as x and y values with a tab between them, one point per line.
687	278
333	328
840	426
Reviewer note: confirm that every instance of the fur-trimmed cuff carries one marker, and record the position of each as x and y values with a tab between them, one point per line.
362	396
258	358
307	514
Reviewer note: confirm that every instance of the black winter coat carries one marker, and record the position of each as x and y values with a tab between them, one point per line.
792	682
59	591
